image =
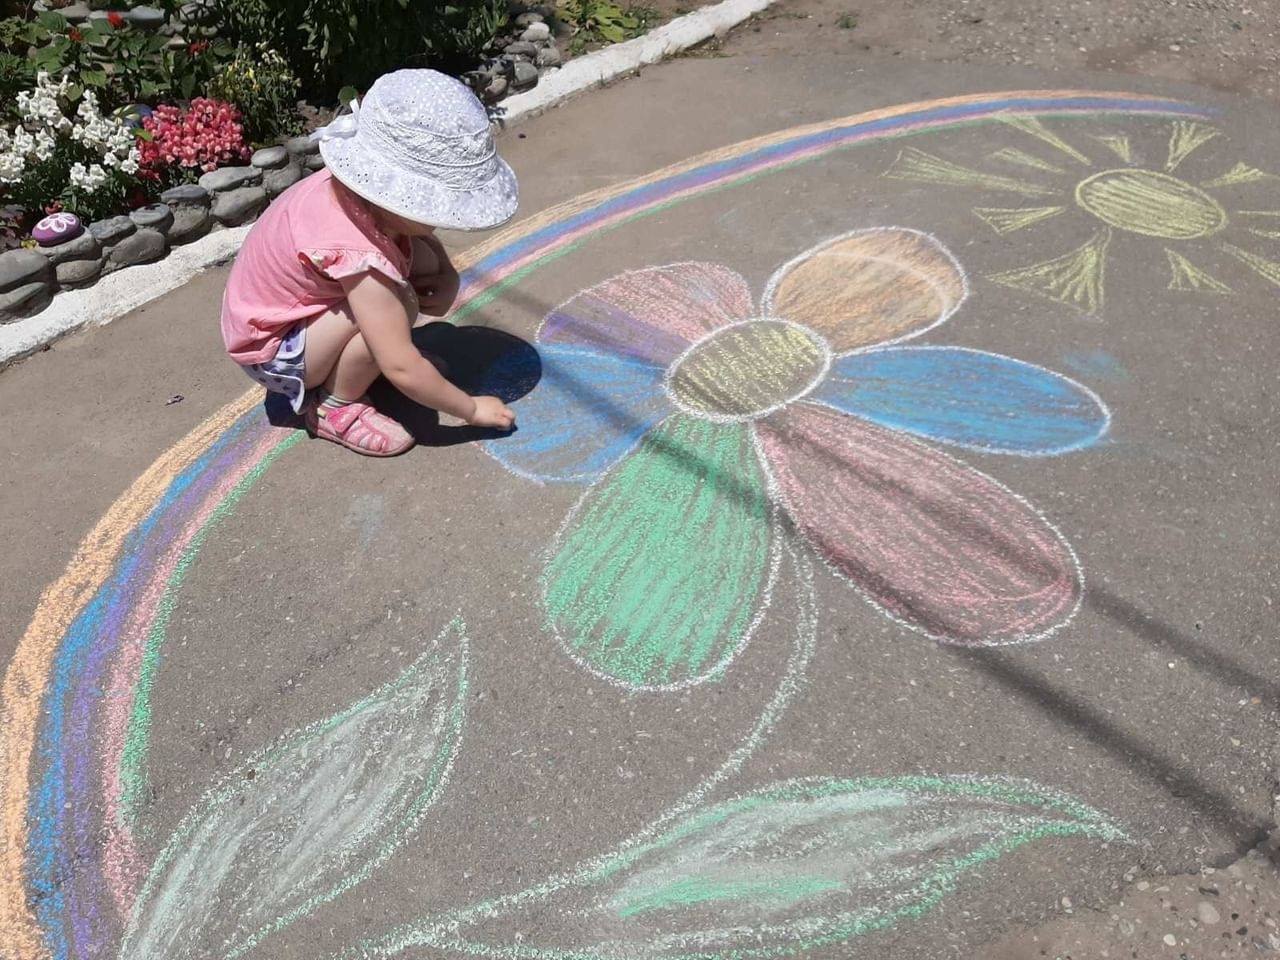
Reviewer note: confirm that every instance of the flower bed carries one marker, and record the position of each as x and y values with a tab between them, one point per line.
124	133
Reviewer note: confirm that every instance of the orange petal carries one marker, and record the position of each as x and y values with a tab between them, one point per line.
869	286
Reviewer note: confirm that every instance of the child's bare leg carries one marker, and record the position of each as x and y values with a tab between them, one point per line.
337	355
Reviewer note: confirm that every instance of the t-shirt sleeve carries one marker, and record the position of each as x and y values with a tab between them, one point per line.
337	263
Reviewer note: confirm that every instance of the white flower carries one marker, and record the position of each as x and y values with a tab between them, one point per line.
11	166
44	145
130	163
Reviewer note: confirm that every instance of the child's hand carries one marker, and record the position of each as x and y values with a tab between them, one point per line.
492	412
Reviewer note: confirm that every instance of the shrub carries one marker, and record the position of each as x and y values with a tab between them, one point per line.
331	44
84	159
184	143
260	83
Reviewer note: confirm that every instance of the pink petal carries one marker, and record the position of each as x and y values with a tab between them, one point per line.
651	314
933	542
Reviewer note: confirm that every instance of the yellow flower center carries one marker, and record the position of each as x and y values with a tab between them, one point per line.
748	369
1153	204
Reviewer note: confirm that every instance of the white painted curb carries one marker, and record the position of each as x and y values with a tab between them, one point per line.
115	295
586	73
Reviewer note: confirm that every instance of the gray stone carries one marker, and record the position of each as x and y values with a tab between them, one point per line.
25	300
230	178
521	48
196	12
276	182
112	230
496	89
535	32
187	195
76	12
526	75
79	273
157	216
18	267
142	247
314	163
235	207
270	158
147	18
527	18
302	147
189	223
83	247
176	42
549	57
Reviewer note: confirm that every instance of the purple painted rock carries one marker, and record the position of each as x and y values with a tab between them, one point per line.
57	228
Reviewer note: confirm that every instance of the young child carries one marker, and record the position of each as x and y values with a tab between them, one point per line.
329	282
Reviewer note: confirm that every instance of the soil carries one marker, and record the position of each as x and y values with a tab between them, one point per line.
1228	45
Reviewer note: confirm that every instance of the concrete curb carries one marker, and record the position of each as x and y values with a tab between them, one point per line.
115	295
593	70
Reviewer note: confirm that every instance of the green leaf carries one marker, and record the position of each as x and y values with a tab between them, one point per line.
52	21
346	95
656	580
188	86
74	92
611	33
795	866
303	821
93	78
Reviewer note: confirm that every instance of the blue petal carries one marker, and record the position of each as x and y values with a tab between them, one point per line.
969	398
589	408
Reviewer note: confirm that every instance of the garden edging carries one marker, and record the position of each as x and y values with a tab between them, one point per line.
118	292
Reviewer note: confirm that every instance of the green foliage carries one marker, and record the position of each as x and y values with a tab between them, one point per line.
847	21
601	21
258	81
333	43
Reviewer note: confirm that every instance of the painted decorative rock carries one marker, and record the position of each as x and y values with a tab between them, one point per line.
57	228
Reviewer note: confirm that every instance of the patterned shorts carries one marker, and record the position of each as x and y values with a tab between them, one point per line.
286	372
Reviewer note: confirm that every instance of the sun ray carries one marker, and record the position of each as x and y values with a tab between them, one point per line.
1240	173
1265	234
1186	276
1014	155
913	164
1187	136
1075	278
1035	128
1118	144
1267	269
1008	219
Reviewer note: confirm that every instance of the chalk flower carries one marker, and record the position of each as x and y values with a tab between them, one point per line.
708	428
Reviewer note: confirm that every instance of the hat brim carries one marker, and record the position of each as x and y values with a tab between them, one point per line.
417	197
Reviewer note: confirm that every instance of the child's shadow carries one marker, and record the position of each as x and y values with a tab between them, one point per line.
478	360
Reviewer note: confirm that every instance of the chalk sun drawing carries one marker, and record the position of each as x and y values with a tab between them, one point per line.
703	423
76	707
1127	203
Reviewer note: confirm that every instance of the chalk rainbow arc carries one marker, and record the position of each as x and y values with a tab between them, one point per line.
74	705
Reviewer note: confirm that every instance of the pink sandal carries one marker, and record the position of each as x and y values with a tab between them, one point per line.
359	427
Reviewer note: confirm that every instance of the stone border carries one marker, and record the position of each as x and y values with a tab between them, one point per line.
232	196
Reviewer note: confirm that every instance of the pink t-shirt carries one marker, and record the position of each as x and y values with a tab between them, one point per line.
287	271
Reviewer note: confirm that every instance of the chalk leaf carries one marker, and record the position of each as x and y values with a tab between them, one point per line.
804	863
307	818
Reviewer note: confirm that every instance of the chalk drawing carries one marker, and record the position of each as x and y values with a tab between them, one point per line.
1129	203
809	404
307	818
70	776
1185	275
780	870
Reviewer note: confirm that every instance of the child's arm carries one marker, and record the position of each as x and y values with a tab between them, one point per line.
434	276
380	315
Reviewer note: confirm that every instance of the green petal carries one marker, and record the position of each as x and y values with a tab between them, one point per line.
656	580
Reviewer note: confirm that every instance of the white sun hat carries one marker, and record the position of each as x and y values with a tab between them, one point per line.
420	145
